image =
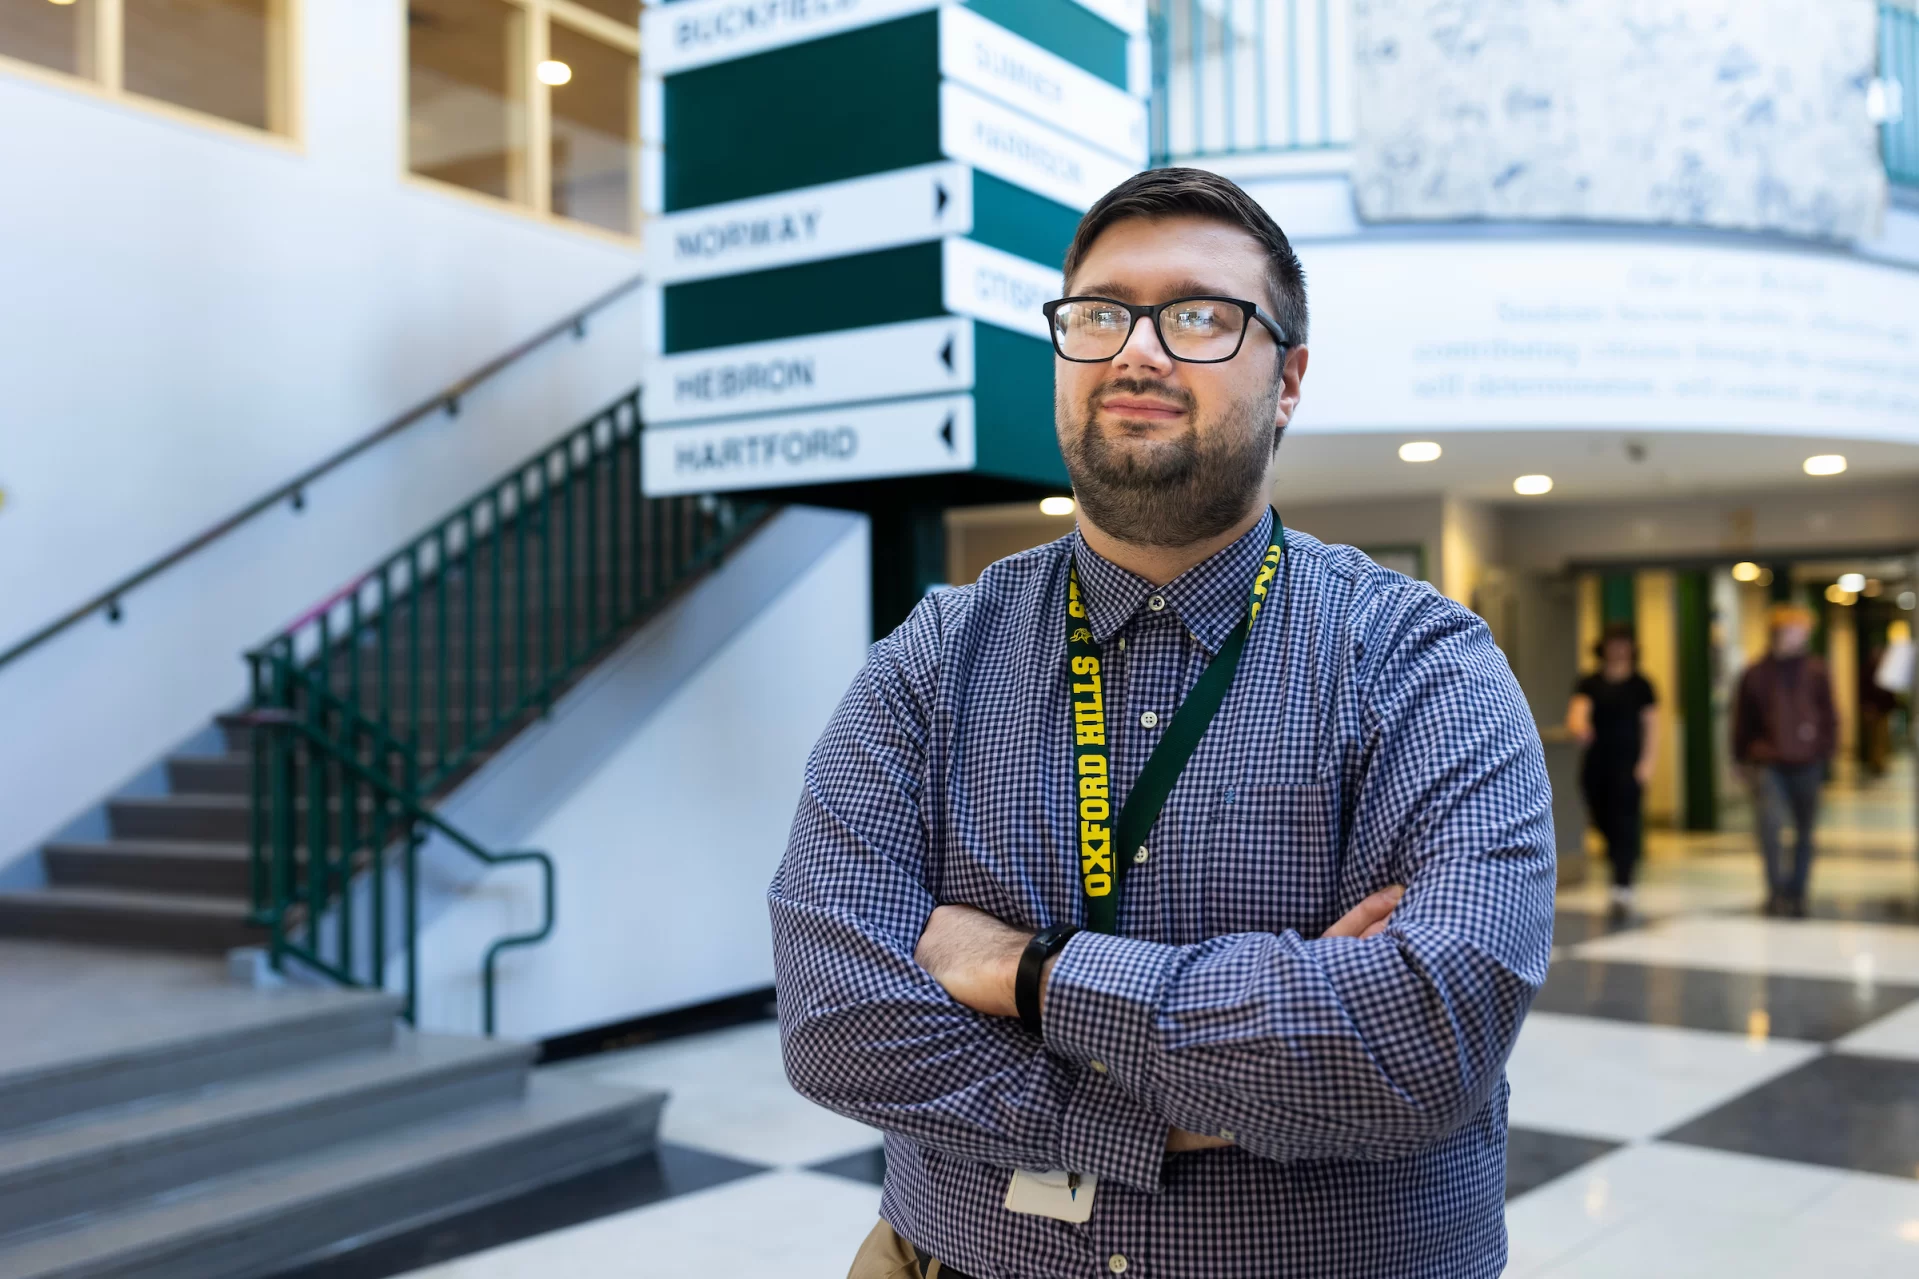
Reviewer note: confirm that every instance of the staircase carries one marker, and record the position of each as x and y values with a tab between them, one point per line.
157	1121
374	705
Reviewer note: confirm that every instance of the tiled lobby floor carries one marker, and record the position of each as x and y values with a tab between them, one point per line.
1701	1093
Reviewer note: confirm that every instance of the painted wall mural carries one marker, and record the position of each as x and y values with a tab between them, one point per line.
1742	114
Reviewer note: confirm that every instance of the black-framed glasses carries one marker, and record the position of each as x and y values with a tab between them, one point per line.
1196	330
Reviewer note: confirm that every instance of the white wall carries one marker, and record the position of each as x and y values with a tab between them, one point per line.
666	842
191	317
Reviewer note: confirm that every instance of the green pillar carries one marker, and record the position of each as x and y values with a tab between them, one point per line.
1694	599
1781	583
1616	598
909	556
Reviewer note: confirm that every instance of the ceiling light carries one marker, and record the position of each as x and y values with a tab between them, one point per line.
62	2
1419	451
1825	464
1533	485
1056	506
1745	571
1907	600
553	72
1852	583
1837	594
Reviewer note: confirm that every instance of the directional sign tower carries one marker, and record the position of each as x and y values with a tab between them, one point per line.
861	205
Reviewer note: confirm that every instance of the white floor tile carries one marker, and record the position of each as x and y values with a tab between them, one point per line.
730	1096
1612	1079
1803	948
1894	1035
781	1223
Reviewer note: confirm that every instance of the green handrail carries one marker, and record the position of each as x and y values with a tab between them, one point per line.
389	692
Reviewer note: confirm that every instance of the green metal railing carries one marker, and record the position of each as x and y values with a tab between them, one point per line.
1899	83
1240	77
388	693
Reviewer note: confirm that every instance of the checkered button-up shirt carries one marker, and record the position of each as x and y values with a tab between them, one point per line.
1373	735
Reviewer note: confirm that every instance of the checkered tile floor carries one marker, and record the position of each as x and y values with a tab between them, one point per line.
1702	1093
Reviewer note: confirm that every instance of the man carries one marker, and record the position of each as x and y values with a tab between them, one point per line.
1784	730
1206	1082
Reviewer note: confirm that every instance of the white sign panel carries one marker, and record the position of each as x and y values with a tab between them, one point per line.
997	287
864	442
891	361
856	216
1605	333
1009	145
694	33
1023	75
1128	15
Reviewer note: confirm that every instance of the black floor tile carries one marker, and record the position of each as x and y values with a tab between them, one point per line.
1649	994
1859	1113
867	1165
1535	1158
1570	927
667	1172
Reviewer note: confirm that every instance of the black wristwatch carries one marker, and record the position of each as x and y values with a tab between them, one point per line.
1046	943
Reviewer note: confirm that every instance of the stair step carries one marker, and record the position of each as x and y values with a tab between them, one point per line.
225	818
230	774
105	1159
168	1027
152	865
111	917
293	1210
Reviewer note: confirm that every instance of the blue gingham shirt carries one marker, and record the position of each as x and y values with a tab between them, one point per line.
1373	735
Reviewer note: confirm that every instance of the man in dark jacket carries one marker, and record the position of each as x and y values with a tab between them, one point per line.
1784	730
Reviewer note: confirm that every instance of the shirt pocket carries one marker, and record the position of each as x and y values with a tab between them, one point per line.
1273	860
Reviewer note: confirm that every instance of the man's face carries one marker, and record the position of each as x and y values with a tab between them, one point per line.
1164	452
1792	639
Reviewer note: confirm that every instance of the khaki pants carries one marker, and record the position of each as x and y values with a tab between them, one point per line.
885	1255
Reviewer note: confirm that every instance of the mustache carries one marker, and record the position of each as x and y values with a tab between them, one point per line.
1140	386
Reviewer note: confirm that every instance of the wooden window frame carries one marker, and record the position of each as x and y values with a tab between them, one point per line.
103	76
536	103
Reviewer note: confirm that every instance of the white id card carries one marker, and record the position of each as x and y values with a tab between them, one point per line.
1063	1196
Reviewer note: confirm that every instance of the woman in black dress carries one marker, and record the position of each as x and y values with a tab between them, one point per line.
1616	715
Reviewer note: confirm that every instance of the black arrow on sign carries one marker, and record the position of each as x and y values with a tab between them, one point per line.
939	199
946	355
946	433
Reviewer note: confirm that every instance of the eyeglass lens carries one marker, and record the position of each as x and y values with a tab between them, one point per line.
1192	329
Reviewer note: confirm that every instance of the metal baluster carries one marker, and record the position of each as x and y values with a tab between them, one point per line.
522	655
496	622
546	573
257	785
636	517
376	859
416	599
468	732
316	869
385	717
591	473
566	554
442	695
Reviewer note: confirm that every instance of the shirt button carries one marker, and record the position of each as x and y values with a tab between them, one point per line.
1116	1263
1139	858
1149	720
1099	1067
1157	603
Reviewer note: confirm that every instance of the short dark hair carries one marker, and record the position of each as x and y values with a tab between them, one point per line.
1613	634
1167	193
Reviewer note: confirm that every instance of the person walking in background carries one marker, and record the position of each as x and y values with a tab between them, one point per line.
1783	731
1615	715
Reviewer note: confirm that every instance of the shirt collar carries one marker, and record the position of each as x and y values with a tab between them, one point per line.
1209	598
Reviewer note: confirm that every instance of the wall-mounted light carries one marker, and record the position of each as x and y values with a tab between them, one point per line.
1420	451
1837	594
553	72
1852	583
1745	571
1826	464
1533	485
1056	506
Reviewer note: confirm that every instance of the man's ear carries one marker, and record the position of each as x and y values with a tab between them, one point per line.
1292	375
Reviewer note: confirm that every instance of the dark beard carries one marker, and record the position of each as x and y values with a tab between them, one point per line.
1183	491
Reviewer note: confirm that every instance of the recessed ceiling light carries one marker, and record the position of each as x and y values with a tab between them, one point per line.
553	72
1745	571
1533	485
1420	451
1826	464
1056	506
1852	583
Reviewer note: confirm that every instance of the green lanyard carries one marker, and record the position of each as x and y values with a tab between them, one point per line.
1107	849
